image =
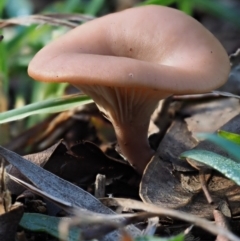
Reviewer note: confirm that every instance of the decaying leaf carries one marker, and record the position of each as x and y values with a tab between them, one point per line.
165	184
209	116
161	187
177	140
39	159
9	222
60	188
232	125
5	196
80	164
10	215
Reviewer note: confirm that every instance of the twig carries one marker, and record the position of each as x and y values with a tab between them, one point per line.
160	211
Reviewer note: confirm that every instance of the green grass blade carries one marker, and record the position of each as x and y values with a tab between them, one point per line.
218	9
94	7
45	107
3	66
43	223
235	138
185	6
2	6
232	148
225	165
159	2
179	237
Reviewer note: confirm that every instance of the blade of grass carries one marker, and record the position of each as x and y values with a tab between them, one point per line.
179	237
45	107
158	2
225	165
232	148
3	67
43	223
235	138
94	6
219	9
185	6
2	6
48	90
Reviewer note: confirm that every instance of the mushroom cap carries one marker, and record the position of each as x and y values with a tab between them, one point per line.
152	47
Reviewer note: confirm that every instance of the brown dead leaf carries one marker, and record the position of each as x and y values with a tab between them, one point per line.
80	164
177	140
166	183
39	159
59	188
104	129
9	222
10	215
209	116
232	125
161	187
162	119
27	138
5	196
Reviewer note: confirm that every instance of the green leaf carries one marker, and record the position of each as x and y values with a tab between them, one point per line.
3	67
94	6
179	237
235	138
22	8
225	165
43	223
159	2
219	9
232	148
186	6
2	6
45	107
48	90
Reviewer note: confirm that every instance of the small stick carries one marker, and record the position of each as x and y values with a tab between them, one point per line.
100	186
221	221
152	226
204	186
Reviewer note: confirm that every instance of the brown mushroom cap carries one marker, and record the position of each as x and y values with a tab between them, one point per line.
127	61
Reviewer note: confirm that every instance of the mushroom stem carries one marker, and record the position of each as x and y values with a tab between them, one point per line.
134	145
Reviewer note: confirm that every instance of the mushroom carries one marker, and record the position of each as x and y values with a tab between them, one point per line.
128	61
